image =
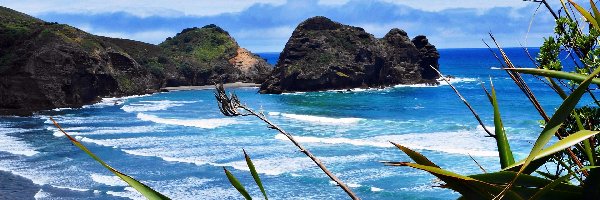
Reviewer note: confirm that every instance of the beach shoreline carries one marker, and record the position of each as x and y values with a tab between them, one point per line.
209	87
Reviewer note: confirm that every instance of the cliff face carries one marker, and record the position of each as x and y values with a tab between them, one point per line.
209	54
322	54
48	65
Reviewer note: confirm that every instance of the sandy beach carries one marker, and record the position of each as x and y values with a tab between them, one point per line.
209	87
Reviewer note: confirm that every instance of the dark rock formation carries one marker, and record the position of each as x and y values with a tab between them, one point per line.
322	54
209	54
48	65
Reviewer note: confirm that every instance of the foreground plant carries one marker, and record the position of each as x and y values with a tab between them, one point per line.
576	152
239	187
140	187
231	106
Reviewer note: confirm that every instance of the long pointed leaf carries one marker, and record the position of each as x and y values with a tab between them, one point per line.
468	187
237	185
416	156
546	189
587	15
140	187
558	118
524	180
595	9
504	151
255	174
556	147
555	74
554	124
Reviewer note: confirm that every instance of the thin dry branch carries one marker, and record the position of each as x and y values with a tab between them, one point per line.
490	134
480	167
231	106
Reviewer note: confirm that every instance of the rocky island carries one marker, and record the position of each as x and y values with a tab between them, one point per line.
322	54
46	65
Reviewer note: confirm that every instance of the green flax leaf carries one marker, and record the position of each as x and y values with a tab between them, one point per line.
255	174
587	15
506	156
555	74
140	187
556	147
237	185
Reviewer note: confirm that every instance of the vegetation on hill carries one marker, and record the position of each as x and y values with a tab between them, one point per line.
63	66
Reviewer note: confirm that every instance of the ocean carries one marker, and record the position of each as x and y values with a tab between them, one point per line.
178	142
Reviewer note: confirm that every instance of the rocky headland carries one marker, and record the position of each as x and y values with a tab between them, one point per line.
47	65
322	54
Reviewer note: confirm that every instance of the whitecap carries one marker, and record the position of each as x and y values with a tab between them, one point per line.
15	145
41	194
166	156
376	189
108	180
460	142
129	193
71	188
113	101
199	123
104	130
280	165
144	106
318	119
454	80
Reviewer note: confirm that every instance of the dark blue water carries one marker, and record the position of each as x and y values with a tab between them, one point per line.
178	142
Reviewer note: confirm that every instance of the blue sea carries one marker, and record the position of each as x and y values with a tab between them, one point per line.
178	142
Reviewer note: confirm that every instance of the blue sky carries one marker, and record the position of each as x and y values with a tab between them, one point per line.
265	25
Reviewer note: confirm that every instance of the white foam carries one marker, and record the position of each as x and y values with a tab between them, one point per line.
129	193
166	156
461	142
15	145
108	180
318	119
293	93
144	106
199	123
71	188
354	185
376	189
104	130
61	109
280	165
41	194
441	81
113	101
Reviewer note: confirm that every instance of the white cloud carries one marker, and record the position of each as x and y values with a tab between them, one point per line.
151	36
264	40
166	8
439	5
333	2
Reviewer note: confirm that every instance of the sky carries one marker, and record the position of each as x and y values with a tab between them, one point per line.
266	25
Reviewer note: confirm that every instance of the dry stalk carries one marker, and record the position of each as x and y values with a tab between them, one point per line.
490	134
231	106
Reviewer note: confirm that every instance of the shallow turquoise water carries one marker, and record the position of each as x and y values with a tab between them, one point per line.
178	142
